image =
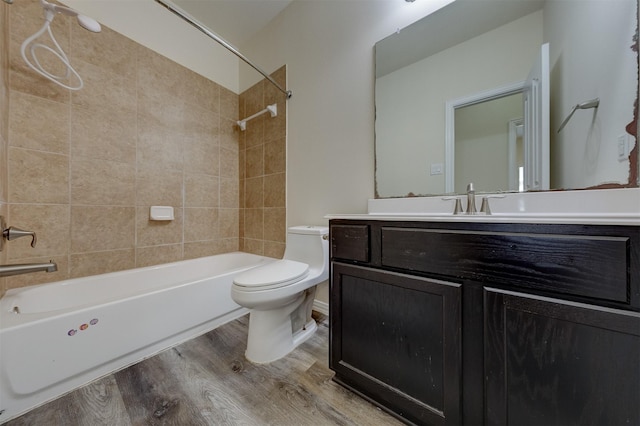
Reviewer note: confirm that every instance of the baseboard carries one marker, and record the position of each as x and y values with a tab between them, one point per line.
320	306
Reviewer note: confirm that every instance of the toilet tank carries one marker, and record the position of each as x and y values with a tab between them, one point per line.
308	244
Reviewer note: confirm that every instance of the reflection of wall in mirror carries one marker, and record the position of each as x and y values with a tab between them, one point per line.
411	110
585	152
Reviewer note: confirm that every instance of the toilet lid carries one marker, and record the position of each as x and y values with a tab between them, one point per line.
275	274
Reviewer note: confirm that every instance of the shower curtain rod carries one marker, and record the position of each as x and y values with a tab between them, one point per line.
188	18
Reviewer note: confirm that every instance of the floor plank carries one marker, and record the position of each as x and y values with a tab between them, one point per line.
207	381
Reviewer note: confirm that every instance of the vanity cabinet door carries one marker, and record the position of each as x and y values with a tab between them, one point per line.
554	362
395	339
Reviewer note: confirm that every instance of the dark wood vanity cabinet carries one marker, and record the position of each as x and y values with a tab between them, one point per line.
476	323
554	362
398	340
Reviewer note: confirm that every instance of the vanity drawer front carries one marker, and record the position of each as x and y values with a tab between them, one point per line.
350	242
583	265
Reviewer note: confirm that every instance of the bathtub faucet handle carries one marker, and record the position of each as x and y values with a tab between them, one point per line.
12	233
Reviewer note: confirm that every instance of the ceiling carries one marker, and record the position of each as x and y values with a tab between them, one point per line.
234	20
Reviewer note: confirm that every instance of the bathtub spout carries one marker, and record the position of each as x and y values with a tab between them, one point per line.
25	268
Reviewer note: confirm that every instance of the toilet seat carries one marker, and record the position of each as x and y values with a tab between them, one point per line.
273	275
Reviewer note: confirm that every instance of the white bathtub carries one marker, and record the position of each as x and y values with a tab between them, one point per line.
59	336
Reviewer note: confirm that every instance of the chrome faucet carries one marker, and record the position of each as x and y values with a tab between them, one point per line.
12	233
25	268
471	203
471	199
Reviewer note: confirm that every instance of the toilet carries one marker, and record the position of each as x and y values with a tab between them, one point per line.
280	294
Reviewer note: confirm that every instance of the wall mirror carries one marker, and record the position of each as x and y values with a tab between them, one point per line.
474	47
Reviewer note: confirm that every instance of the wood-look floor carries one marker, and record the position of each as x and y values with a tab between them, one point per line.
207	381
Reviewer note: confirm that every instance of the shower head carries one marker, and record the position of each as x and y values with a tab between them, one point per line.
31	46
89	24
84	21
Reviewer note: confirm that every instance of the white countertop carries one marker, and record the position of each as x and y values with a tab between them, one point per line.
587	207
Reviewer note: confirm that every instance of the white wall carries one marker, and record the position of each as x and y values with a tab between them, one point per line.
153	26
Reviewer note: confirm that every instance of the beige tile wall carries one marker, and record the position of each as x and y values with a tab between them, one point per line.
263	170
84	167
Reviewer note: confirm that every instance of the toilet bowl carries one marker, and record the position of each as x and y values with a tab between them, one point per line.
280	294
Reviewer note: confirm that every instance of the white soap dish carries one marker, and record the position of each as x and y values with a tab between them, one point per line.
161	213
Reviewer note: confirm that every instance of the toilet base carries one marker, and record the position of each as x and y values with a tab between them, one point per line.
304	334
271	336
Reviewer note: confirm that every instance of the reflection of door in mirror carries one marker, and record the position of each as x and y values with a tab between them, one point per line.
479	123
482	146
516	155
536	123
477	149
